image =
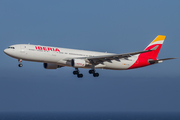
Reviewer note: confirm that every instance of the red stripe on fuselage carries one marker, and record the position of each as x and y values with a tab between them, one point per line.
143	58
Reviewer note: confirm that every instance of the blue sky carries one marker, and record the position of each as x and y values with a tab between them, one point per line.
106	26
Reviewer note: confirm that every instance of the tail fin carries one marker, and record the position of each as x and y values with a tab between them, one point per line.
158	41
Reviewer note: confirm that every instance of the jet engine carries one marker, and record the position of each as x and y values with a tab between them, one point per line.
78	63
51	66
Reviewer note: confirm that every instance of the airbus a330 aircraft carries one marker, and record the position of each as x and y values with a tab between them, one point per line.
54	57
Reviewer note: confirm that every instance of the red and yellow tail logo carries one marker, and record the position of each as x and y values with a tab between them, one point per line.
158	41
143	58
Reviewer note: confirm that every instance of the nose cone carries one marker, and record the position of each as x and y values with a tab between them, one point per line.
9	52
5	51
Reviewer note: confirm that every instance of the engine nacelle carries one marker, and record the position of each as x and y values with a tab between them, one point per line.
51	66
78	63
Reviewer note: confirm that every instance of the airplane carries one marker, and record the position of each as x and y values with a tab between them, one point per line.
55	57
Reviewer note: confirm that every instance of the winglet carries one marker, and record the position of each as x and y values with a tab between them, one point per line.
154	48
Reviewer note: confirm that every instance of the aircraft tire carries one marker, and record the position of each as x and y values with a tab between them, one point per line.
20	65
79	75
75	72
91	71
96	74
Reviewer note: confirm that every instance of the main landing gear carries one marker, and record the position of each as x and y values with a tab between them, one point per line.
76	72
79	75
93	72
20	63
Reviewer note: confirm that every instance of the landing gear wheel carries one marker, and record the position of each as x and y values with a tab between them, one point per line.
96	74
75	72
20	65
91	71
79	75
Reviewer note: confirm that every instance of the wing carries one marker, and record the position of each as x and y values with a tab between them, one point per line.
99	59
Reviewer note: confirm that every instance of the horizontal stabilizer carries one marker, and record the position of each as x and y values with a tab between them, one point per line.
166	59
160	60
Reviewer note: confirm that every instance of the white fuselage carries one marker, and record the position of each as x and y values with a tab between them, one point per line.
59	56
55	57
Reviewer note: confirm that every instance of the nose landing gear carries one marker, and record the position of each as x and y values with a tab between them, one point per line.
20	63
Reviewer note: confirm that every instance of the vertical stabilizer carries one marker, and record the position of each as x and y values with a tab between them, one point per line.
145	58
158	41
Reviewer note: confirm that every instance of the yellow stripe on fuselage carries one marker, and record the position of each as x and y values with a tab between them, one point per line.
159	38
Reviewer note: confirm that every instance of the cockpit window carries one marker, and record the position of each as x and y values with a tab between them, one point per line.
11	47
